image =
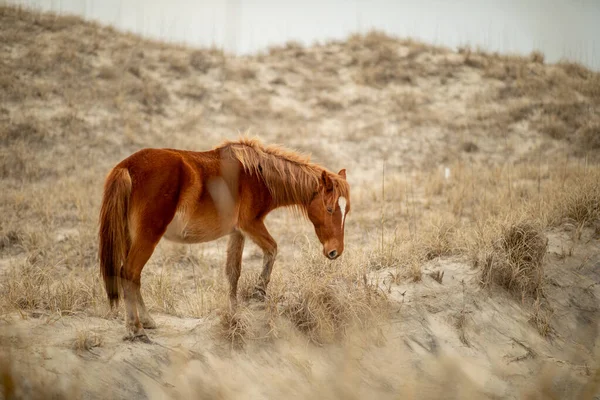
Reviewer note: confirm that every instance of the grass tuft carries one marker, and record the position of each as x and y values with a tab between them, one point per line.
516	262
235	327
86	340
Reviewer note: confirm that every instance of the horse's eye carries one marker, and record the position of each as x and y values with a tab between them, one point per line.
330	210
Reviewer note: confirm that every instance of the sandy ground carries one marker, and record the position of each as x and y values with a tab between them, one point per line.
419	350
77	98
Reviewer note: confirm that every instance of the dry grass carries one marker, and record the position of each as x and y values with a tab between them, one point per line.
516	259
326	310
377	56
504	214
240	73
323	302
203	61
579	201
541	317
234	327
38	289
86	340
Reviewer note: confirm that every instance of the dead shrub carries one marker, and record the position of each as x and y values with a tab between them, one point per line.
378	60
317	313
574	70
234	327
204	60
178	65
571	114
200	61
325	310
86	340
527	86
536	57
560	120
498	71
581	79
291	48
469	147
10	239
590	87
326	302
513	68
579	202
516	261
375	38
475	60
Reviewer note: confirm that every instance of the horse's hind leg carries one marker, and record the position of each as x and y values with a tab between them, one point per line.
235	249
140	252
145	318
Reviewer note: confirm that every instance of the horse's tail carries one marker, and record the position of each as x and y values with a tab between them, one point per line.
113	234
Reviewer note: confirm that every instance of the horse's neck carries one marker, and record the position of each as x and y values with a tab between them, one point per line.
286	194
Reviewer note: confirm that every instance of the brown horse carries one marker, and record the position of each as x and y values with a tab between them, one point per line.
193	197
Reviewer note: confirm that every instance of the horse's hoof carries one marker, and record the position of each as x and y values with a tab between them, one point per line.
139	337
143	338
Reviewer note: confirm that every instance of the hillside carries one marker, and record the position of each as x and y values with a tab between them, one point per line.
472	250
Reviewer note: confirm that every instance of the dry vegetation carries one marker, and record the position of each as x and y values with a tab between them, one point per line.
472	248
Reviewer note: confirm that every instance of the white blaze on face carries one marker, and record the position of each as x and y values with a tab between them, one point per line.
342	203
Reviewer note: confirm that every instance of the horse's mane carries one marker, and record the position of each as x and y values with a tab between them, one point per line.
290	176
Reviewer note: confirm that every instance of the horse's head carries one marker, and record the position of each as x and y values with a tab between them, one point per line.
327	211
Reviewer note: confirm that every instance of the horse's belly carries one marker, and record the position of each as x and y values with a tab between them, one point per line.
184	229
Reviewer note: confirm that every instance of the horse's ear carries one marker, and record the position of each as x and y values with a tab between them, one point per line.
326	181
342	173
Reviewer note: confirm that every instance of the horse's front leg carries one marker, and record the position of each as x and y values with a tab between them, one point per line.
235	249
259	234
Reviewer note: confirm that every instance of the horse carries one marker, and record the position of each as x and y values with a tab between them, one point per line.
194	197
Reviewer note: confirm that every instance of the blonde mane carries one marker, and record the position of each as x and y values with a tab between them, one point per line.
290	176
